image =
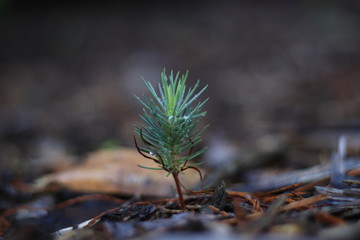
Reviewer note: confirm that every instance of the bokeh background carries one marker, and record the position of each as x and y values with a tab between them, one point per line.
283	76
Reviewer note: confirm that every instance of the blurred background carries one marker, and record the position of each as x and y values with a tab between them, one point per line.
283	76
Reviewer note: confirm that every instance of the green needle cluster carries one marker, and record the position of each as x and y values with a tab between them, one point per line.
172	115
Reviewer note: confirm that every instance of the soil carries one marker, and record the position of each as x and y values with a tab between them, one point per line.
283	85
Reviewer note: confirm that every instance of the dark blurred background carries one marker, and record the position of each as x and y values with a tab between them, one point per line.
282	75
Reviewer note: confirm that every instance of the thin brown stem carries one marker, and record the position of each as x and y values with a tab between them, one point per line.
139	150
178	188
196	169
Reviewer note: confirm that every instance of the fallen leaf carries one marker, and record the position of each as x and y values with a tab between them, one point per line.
116	172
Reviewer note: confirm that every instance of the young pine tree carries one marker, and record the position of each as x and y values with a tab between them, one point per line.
172	115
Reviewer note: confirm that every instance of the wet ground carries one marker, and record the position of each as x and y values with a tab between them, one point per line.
283	82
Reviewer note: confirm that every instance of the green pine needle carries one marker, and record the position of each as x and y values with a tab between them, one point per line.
172	116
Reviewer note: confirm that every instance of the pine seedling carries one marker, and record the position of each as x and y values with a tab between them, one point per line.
172	115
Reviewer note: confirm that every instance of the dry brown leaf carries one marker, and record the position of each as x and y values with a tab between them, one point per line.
117	172
328	219
304	203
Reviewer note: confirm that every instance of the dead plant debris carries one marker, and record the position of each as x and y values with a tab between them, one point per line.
283	211
325	204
